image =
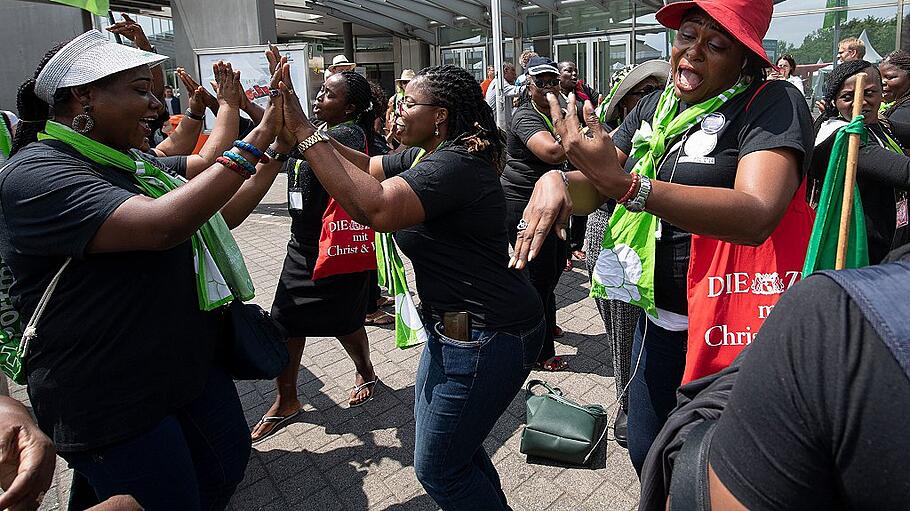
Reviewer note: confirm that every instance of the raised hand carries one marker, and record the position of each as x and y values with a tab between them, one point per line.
131	30
273	118
228	84
192	85
295	118
273	55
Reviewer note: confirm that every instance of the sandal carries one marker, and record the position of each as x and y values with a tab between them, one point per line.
278	422
552	365
358	388
385	301
378	318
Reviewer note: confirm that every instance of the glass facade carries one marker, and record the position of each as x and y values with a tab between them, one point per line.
601	39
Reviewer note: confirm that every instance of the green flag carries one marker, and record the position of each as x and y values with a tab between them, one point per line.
836	17
409	329
625	267
6	142
99	7
822	251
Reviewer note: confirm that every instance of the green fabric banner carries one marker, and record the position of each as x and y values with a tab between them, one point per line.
99	7
409	328
822	252
6	142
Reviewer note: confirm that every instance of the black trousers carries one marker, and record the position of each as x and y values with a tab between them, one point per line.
543	271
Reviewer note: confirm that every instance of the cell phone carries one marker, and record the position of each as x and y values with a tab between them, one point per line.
457	325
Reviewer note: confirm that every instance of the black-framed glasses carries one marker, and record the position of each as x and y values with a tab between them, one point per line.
546	84
404	106
644	91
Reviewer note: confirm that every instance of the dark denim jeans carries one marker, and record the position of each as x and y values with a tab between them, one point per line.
652	392
192	460
462	389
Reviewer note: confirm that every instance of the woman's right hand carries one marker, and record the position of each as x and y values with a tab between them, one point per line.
295	118
273	119
192	85
549	209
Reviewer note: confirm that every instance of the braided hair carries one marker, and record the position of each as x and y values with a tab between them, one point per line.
34	111
833	85
367	106
471	123
901	60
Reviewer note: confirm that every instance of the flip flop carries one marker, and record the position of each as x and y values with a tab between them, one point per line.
384	301
278	420
552	365
357	388
379	318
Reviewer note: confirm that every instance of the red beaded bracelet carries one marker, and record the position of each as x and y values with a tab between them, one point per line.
636	180
233	165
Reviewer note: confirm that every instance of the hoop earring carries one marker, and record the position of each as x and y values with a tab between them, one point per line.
84	123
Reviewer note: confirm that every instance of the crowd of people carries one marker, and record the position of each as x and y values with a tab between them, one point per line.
128	378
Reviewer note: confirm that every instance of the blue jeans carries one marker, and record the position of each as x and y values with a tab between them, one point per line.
191	460
652	392
462	389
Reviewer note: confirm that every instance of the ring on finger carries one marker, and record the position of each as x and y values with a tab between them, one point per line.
522	224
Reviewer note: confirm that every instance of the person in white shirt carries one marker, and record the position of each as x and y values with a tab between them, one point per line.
509	89
787	66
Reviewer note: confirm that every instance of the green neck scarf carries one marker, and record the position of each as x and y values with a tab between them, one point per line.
602	107
625	267
546	119
221	274
6	142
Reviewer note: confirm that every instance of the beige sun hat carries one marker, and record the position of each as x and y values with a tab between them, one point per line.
406	76
340	60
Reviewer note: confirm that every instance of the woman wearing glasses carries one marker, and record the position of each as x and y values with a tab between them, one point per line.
533	151
442	199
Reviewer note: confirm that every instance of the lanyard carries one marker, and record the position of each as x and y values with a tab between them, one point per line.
422	153
546	119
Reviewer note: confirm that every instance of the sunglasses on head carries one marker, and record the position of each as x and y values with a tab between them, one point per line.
546	84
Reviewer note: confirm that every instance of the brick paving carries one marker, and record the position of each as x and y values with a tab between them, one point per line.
336	458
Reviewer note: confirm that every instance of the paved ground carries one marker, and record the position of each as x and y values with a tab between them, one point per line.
336	458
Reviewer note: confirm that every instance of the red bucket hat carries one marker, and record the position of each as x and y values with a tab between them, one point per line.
746	20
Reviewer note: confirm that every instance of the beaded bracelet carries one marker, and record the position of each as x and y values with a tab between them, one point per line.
231	164
636	179
250	148
240	160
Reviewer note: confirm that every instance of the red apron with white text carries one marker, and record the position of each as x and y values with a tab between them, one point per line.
732	288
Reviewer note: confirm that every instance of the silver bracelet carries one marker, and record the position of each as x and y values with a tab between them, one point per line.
637	203
562	174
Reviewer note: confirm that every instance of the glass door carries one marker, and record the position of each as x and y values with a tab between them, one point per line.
471	58
596	57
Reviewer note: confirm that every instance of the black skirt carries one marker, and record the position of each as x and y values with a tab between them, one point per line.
328	307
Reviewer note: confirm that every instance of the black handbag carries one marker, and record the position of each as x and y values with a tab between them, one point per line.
257	349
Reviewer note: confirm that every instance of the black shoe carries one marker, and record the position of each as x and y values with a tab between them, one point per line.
621	428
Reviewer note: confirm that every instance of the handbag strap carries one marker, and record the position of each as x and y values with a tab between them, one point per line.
31	329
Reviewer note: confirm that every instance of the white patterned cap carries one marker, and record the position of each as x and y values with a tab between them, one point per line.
87	58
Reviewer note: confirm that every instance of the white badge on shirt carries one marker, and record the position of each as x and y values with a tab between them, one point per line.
698	146
295	199
902	219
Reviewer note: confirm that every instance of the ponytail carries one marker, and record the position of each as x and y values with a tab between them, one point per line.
34	112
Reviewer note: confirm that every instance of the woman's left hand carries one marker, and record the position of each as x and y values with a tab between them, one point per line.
273	118
590	151
295	118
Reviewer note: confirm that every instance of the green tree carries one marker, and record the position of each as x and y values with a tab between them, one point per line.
819	44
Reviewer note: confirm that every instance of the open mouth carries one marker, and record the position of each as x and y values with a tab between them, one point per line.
686	79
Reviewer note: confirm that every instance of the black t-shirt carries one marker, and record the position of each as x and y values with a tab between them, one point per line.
883	178
523	168
122	342
818	417
776	118
461	250
306	223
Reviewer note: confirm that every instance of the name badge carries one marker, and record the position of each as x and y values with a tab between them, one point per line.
704	160
902	213
295	200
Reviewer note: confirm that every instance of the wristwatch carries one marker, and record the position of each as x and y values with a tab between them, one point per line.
189	113
637	203
275	155
312	140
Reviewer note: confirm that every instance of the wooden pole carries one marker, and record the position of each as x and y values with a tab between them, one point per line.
850	178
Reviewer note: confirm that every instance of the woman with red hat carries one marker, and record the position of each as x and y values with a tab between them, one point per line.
719	153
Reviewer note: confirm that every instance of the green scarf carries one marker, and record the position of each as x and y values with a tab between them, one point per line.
6	142
625	268
409	328
602	107
221	274
546	120
822	251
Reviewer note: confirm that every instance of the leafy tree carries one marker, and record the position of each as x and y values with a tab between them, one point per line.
819	44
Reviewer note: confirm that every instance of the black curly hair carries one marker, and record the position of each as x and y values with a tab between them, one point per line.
34	111
367	106
471	123
901	60
835	82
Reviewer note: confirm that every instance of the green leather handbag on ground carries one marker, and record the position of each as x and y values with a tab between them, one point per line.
559	429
